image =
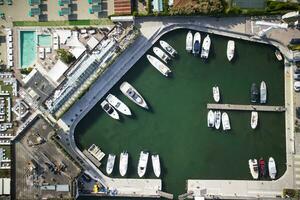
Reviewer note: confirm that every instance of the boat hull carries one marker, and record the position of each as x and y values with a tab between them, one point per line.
254	119
142	165
272	168
225	122
131	93
218	119
263	92
157	64
110	110
189	42
216	94
123	165
211	119
118	104
205	47
110	163
253	166
230	50
156	165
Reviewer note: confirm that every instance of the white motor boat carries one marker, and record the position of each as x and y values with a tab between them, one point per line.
110	110
156	165
253	166
160	66
118	104
123	165
230	49
168	48
216	93
130	92
189	42
263	92
278	55
110	163
205	47
272	168
225	121
197	44
161	54
210	118
254	119
143	161
217	119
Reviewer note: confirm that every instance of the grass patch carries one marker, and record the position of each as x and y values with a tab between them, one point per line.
102	21
5	87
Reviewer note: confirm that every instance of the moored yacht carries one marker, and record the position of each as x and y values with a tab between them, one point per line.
162	55
110	110
110	163
156	165
205	47
254	93
168	48
189	41
123	165
262	167
130	92
143	161
210	118
118	104
225	121
216	93
263	92
272	168
161	67
230	49
218	119
196	43
253	166
254	119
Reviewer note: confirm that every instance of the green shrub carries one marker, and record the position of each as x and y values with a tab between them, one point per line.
65	56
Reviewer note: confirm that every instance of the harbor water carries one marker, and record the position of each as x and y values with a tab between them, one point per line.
175	127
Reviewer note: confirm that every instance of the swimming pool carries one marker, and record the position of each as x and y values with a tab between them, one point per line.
27	48
44	40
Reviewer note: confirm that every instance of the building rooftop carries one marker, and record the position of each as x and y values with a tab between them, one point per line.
122	7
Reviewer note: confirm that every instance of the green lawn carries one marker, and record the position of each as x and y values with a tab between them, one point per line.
102	21
5	87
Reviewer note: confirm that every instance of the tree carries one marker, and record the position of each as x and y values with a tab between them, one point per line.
65	56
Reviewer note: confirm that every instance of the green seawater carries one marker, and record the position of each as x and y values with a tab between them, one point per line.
176	124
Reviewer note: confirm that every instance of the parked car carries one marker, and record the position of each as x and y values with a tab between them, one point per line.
297	77
297	70
297	86
298	112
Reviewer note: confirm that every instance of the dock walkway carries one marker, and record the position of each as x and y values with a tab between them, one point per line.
265	108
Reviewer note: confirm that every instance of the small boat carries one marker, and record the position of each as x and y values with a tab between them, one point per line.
205	47
263	92
262	167
217	119
160	66
230	49
168	48
118	104
189	42
225	121
156	165
278	55
254	93
133	94
272	168
110	110
110	163
143	161
196	43
210	119
161	54
253	166
216	93
123	165
254	119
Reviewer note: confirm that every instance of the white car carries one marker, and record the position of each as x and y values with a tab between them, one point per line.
297	86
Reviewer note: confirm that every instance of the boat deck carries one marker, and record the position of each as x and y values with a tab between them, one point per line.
215	106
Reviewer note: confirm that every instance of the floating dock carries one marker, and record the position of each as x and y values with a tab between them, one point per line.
264	108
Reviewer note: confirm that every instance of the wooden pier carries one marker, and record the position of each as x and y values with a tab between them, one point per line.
264	108
165	194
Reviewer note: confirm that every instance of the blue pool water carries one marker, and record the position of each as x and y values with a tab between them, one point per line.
44	40
28	46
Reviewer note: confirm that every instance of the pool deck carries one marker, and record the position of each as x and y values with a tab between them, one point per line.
151	30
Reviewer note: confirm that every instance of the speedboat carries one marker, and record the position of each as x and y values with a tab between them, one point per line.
156	165
254	93
278	55
110	163
189	42
123	165
168	48
254	119
272	168
110	110
210	119
133	94
225	122
196	43
253	166
160	66
262	167
143	161
217	119
263	92
230	49
216	93
161	54
118	104
205	47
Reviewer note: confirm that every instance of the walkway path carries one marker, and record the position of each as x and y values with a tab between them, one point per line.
218	106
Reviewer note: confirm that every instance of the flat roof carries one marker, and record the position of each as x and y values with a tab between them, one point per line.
6	186
92	42
57	71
